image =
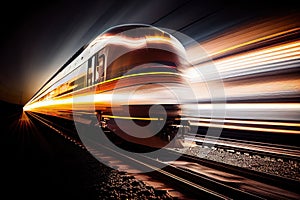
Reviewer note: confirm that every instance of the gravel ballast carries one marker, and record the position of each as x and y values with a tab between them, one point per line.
266	164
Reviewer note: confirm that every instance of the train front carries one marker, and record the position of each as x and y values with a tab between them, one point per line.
146	86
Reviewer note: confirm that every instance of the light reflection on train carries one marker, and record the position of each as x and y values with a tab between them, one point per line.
122	75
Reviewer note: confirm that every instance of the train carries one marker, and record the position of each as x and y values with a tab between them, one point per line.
127	79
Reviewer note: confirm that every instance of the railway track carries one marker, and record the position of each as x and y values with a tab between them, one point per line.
252	147
188	177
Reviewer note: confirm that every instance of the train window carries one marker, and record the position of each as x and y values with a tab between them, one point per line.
90	69
99	69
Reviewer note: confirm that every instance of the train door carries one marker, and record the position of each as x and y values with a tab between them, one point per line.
90	78
96	69
99	76
99	69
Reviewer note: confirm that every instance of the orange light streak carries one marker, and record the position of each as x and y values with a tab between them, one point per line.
278	53
254	122
247	128
254	41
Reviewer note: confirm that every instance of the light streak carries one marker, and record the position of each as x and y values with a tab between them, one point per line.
48	103
254	41
132	118
245	128
275	54
253	106
87	99
253	122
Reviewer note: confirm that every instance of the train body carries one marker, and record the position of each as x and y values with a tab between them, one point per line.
124	78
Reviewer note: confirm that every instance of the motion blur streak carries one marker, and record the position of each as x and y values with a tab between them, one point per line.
248	128
261	60
246	122
255	41
136	118
66	102
278	57
255	34
259	66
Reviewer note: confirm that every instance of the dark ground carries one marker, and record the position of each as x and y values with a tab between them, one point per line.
37	165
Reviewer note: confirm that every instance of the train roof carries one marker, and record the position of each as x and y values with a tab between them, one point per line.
126	28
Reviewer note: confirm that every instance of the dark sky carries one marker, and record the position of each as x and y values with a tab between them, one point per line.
37	38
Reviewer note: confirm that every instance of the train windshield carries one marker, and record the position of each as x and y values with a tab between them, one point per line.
142	61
